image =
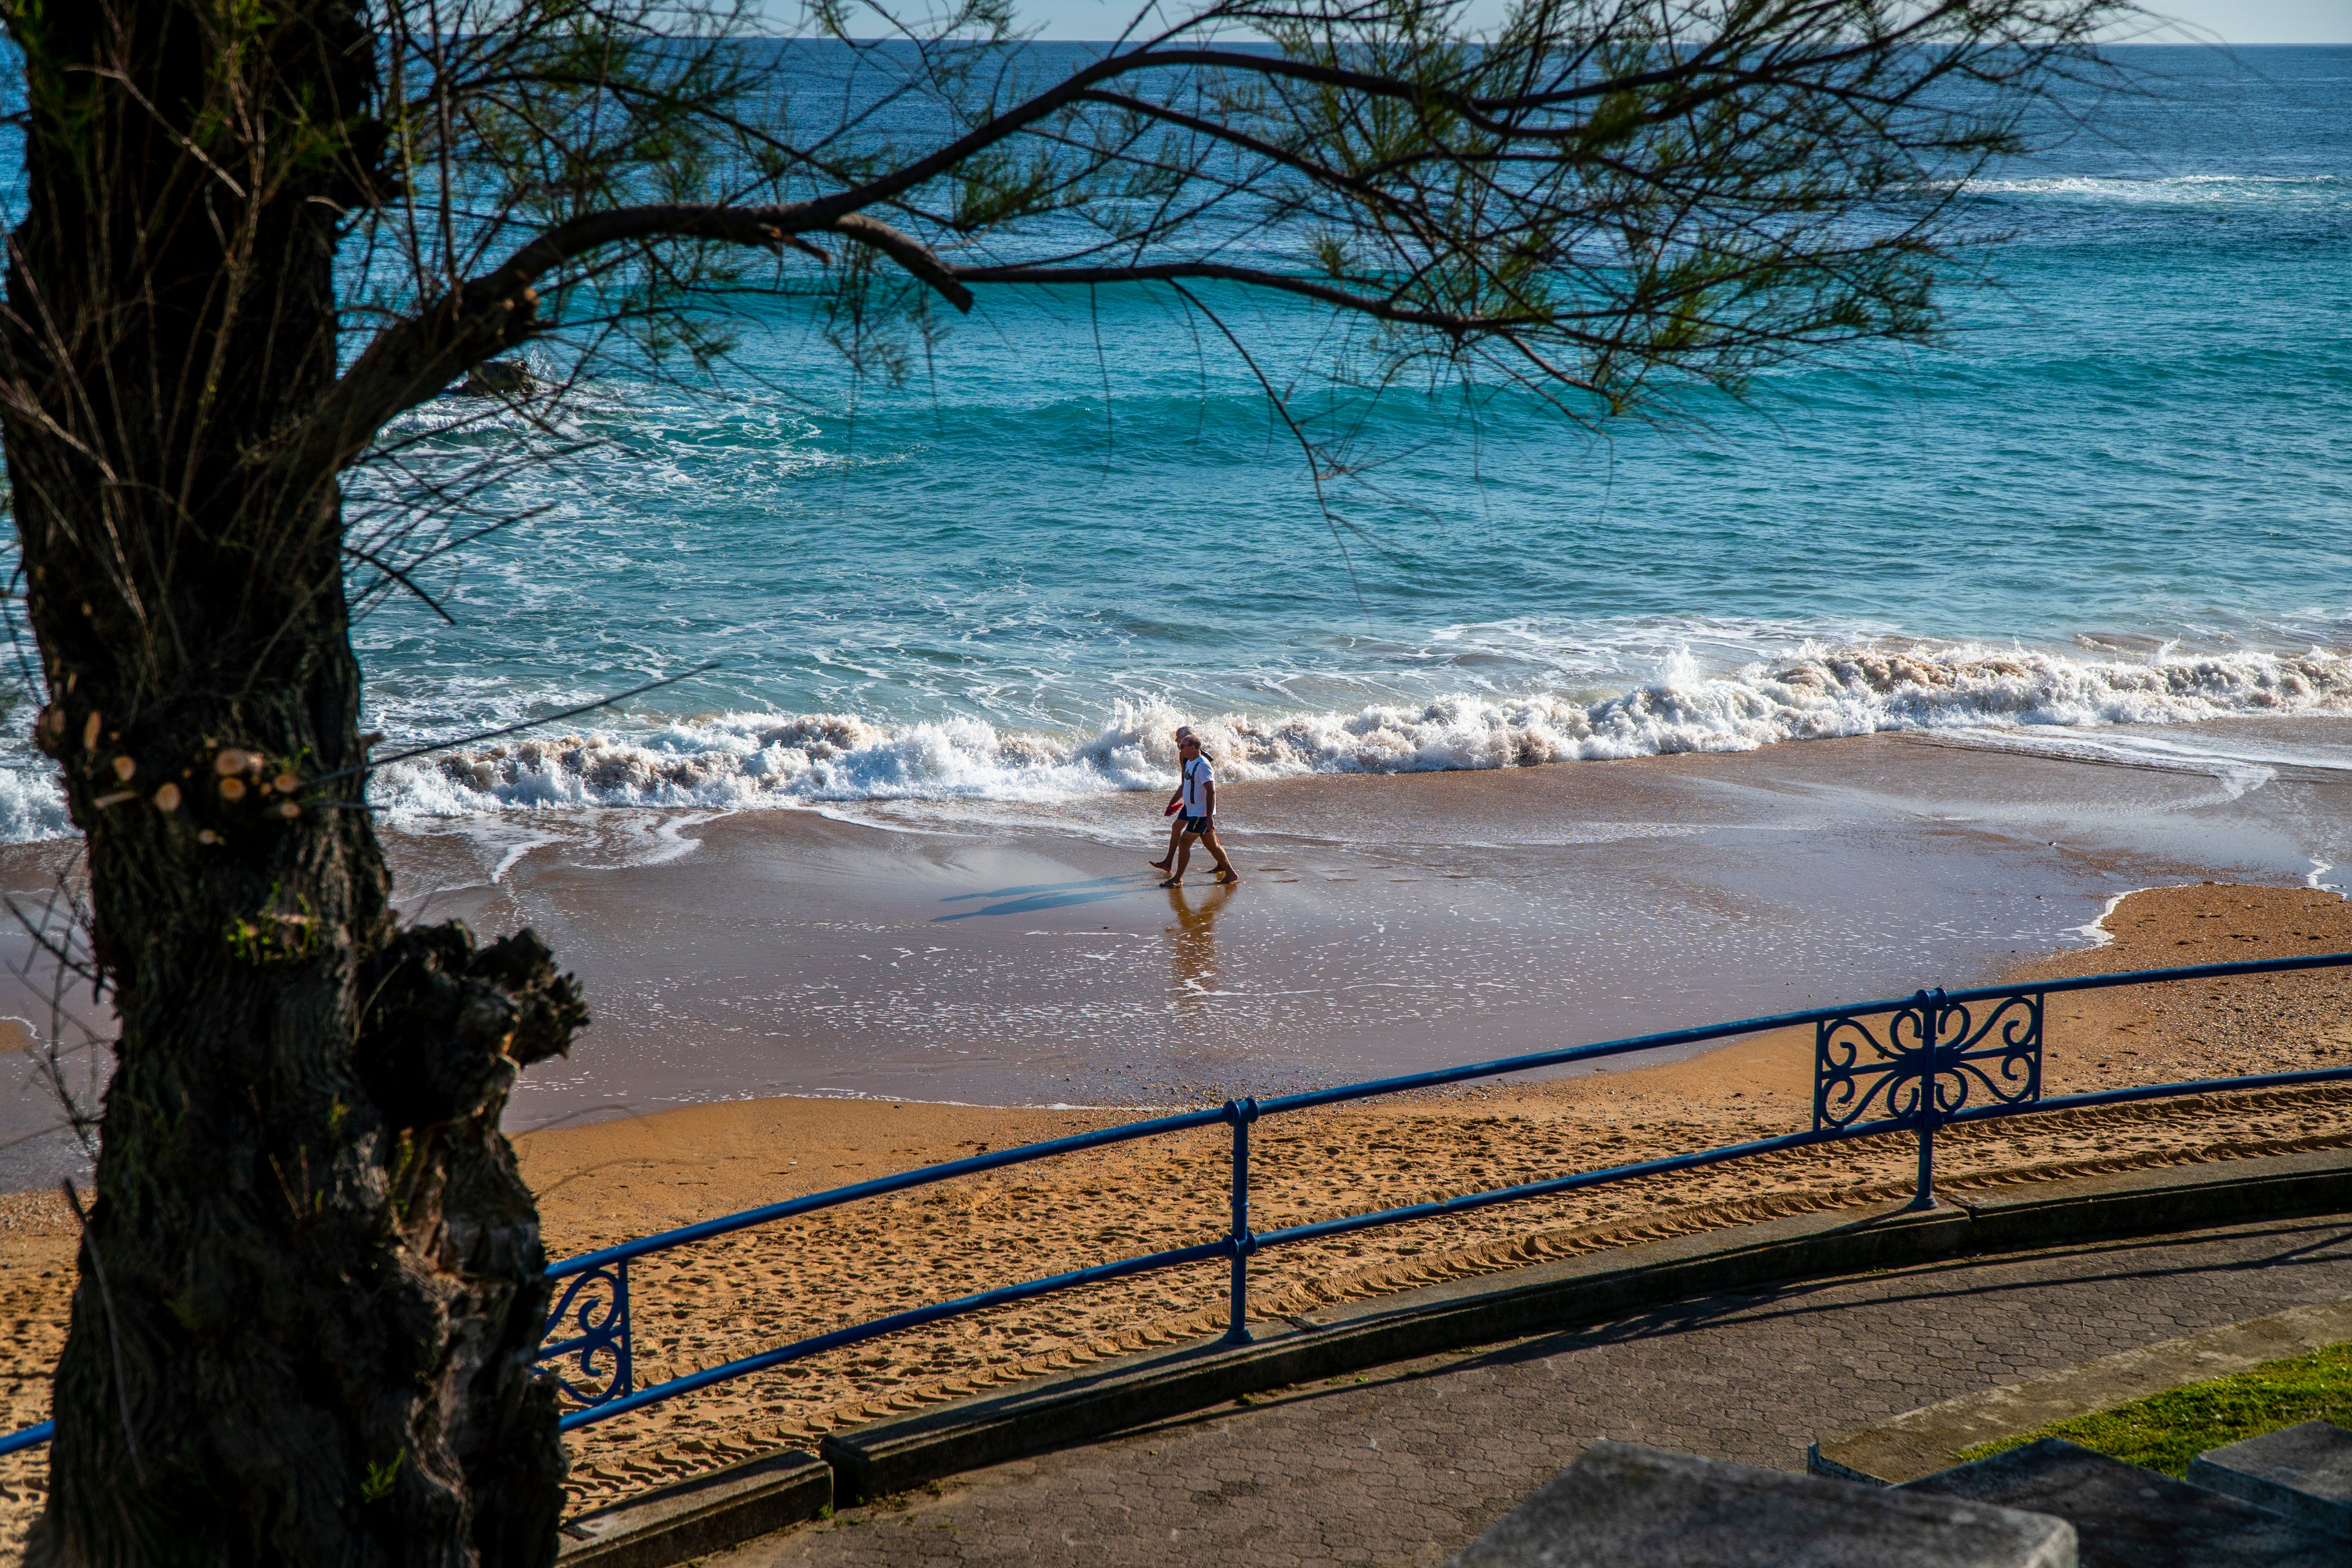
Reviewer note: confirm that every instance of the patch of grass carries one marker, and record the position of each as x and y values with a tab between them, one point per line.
2165	1431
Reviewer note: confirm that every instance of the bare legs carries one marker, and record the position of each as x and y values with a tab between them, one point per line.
1225	872
1175	832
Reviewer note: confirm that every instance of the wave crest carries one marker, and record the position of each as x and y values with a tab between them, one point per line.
2168	190
741	760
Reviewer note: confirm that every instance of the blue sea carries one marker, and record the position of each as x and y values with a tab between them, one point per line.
2120	492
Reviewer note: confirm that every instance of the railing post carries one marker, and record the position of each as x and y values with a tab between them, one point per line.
1931	1032
1240	1114
625	1382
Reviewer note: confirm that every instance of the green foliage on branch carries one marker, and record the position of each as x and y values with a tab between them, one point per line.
1596	200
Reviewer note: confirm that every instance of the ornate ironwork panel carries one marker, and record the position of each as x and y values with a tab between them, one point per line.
1936	1058
597	1302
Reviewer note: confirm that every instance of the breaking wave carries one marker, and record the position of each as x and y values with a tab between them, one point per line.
2171	190
749	760
32	806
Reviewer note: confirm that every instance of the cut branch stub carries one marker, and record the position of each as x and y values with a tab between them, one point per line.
452	1025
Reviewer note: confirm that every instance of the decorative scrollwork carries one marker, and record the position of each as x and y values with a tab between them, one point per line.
597	1301
1859	1079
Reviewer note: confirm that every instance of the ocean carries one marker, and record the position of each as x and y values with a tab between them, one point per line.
2117	495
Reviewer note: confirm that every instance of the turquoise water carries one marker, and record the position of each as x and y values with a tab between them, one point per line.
2120	492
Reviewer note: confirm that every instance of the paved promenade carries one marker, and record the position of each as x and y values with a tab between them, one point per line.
1405	1465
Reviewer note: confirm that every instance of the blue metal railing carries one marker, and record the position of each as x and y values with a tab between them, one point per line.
1939	1051
30	1438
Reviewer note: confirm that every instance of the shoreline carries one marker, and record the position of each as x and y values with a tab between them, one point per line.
615	1180
1022	955
1389	922
1706	687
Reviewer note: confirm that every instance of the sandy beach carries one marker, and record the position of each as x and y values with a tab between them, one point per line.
990	953
609	1180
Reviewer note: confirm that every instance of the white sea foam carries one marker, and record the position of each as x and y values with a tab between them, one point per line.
751	760
2096	932
32	806
2171	190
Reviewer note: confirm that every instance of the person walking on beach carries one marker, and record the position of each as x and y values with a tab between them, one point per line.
1196	805
1175	804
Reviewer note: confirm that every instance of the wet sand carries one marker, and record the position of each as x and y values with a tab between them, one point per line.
1021	954
618	1179
1010	955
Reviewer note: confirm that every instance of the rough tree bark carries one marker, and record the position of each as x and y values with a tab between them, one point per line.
304	1321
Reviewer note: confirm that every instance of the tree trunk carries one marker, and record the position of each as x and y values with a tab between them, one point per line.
312	1284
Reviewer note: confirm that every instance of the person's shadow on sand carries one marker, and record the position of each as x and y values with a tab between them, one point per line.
1040	895
1192	946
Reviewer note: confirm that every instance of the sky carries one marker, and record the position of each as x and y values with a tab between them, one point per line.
2262	21
2230	21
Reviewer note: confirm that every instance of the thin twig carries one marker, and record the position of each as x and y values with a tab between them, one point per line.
370	767
1281	408
401	578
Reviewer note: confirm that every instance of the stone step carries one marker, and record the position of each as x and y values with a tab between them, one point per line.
1624	1507
2127	1517
2304	1472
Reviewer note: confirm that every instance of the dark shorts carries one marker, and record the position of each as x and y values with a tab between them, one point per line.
1195	824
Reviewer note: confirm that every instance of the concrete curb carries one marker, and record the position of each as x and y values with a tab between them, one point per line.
706	1514
1931	1438
894	1456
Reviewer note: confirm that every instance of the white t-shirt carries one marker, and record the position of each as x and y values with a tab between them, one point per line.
1198	773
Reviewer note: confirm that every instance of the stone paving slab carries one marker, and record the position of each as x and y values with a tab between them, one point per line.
2304	1472
2127	1517
1407	1465
1624	1506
